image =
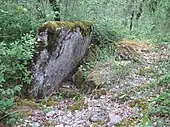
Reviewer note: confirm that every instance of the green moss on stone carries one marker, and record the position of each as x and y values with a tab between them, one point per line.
55	26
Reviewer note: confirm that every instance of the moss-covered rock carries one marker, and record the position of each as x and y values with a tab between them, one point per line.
131	50
93	54
87	66
80	79
126	51
61	48
96	77
56	26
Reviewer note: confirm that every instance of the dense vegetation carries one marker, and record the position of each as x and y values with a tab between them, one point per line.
19	20
142	19
112	19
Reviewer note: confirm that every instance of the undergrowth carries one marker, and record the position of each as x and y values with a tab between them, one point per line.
18	23
14	74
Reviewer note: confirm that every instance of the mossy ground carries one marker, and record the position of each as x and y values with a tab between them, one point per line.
78	105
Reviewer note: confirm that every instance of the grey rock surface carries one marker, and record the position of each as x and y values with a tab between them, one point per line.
60	50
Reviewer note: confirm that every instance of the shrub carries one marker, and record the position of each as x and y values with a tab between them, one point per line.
18	18
14	72
21	16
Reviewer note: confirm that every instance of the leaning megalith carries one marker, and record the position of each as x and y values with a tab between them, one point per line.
61	47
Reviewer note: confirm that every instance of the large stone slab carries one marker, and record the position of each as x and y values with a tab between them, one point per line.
61	48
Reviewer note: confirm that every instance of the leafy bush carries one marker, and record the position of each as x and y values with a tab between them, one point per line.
21	16
14	59
18	18
14	72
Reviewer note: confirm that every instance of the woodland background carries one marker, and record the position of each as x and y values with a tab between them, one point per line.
112	19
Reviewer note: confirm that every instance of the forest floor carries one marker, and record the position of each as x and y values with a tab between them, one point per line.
133	90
